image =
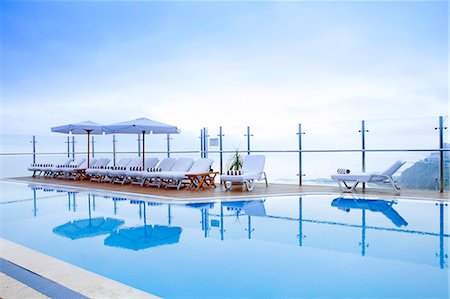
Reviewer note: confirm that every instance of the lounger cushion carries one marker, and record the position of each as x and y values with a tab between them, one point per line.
174	175
351	177
166	164
241	178
151	175
252	169
360	177
393	169
201	166
121	167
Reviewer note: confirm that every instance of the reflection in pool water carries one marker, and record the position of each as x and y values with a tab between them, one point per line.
382	206
293	246
142	237
90	227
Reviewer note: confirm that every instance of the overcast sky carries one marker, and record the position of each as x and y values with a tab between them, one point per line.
195	64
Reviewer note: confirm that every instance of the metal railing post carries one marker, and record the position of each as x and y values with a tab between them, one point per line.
205	142
441	129
139	144
201	143
363	148
73	147
300	166
92	146
221	149
248	140
68	147
114	141
168	145
33	141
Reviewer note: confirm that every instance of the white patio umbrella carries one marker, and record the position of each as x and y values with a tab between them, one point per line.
85	127
141	126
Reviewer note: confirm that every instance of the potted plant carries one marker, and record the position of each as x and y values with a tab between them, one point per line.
235	162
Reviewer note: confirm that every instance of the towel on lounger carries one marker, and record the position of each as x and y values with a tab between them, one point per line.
343	171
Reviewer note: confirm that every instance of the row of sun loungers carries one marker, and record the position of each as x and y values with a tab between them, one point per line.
65	167
168	172
171	172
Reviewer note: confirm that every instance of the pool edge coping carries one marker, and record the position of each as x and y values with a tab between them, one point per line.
77	279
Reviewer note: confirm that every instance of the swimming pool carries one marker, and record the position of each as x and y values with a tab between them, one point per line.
292	246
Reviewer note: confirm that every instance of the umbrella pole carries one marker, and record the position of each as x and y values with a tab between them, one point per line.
143	150
88	160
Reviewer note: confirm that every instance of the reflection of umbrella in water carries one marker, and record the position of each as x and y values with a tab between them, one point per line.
251	208
382	206
86	228
142	237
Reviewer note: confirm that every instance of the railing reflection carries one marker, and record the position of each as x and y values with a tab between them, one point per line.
216	216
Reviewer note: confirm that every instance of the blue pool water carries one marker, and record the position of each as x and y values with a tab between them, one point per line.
292	246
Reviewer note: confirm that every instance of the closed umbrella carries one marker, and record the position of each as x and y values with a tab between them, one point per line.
141	126
85	127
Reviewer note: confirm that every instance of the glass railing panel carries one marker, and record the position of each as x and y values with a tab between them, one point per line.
270	137
318	167
188	141
405	133
336	135
17	165
421	170
235	138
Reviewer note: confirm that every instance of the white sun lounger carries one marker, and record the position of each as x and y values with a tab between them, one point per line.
252	170
107	173
180	165
43	168
135	174
73	172
47	169
152	176
120	175
97	173
349	182
177	178
101	163
61	170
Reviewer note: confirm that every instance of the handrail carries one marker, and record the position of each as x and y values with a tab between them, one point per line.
243	151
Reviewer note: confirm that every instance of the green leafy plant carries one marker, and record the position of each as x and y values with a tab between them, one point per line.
236	161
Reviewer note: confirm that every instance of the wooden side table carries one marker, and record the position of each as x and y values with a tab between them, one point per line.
202	180
81	173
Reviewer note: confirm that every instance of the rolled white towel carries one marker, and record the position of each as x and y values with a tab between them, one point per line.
343	171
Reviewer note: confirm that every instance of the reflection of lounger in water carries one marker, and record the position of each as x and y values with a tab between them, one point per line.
382	206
